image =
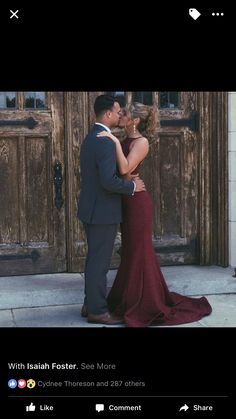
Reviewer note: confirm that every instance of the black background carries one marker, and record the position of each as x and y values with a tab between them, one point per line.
147	48
193	365
110	47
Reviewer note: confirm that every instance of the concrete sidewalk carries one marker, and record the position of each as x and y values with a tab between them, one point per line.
55	300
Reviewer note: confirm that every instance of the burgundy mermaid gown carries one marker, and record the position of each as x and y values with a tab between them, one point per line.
139	292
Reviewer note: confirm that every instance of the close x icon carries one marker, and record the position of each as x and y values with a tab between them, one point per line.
14	14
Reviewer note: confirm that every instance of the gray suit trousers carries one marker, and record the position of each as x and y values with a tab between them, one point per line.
100	239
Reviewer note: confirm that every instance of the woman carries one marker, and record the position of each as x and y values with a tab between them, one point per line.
139	292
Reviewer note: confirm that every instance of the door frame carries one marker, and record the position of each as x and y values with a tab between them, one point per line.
213	178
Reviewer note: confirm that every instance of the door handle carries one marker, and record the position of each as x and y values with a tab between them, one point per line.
58	184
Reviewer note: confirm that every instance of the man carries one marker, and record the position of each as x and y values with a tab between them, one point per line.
99	207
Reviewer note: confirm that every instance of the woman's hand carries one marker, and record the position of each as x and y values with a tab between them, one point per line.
109	135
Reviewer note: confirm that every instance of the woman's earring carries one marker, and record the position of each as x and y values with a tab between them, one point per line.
134	128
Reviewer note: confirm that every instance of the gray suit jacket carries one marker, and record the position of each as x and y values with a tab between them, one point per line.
101	187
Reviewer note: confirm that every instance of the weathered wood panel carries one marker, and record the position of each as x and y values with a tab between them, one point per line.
171	176
32	228
170	182
38	189
77	122
9	191
213	172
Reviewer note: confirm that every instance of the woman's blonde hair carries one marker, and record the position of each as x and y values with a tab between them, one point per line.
147	118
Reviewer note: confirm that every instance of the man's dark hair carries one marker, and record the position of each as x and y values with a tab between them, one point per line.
103	103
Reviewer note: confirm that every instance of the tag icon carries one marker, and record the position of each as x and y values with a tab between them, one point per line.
194	13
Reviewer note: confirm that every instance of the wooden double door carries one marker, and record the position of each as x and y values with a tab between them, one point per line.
185	172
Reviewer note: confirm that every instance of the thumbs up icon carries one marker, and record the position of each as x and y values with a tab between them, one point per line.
30	408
